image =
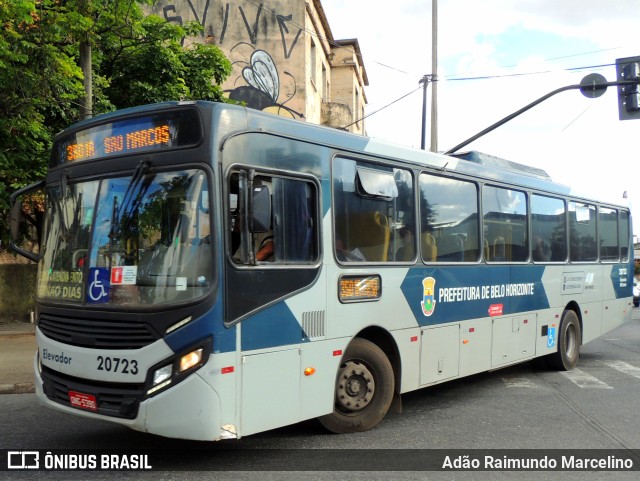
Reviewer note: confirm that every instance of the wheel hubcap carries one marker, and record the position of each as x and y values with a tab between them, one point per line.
355	387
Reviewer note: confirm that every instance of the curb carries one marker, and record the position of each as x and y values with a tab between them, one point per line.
16	333
18	388
17	329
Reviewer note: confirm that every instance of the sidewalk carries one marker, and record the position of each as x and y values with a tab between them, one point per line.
17	351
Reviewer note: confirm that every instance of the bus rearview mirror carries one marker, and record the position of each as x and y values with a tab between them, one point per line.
15	219
260	209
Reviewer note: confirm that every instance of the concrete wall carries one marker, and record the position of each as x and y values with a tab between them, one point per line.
264	41
17	291
275	68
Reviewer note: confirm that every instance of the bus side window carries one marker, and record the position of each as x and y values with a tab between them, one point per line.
548	225
582	232
295	220
373	213
250	218
449	219
287	230
609	243
624	234
505	224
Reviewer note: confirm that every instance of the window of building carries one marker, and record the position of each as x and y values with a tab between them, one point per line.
448	219
505	225
373	212
549	231
582	232
312	61
325	83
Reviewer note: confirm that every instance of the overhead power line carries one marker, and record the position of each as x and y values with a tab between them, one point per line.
447	78
315	34
523	74
381	108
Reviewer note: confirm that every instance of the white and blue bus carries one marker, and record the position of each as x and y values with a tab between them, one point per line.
208	271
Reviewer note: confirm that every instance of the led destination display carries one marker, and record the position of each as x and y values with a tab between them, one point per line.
169	130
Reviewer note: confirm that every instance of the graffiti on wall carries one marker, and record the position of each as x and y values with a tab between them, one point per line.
237	30
263	86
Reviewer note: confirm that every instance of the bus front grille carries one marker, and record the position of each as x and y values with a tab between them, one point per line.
97	334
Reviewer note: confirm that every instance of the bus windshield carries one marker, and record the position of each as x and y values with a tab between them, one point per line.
137	241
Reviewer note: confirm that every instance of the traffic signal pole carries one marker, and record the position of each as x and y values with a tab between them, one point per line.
591	86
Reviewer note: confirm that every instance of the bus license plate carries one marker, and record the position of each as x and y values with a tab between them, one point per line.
83	401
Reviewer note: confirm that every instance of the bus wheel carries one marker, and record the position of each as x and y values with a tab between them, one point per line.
364	389
569	341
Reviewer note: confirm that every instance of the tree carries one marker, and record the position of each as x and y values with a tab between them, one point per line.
136	59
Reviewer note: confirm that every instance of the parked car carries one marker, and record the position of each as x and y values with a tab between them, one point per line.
636	292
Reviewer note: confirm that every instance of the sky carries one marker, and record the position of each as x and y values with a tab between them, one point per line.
527	48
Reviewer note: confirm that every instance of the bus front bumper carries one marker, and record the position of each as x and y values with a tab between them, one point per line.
189	410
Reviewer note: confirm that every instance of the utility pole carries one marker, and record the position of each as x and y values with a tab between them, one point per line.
434	76
592	86
424	81
86	108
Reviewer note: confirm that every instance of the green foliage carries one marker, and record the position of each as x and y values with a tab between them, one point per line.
136	59
158	68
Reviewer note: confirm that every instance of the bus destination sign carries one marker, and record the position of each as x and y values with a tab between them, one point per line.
125	142
168	130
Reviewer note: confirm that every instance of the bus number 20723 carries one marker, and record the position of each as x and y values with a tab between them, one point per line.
117	364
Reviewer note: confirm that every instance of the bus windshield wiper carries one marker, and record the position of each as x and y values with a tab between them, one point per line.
142	168
136	179
67	228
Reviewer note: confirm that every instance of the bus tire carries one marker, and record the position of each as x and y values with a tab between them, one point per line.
364	389
569	341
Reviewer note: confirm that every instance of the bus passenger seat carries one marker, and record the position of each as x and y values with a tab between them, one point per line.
429	247
499	249
451	248
370	233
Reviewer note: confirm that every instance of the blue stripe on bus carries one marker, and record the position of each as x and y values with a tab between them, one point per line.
622	279
224	339
274	326
438	295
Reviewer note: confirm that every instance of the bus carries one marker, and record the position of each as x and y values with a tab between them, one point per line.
389	269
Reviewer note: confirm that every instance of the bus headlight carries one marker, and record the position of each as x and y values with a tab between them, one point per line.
161	378
189	360
162	374
176	368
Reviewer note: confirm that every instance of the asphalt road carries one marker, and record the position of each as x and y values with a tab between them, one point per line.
527	406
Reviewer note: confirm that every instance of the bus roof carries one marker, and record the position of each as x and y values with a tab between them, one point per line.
473	163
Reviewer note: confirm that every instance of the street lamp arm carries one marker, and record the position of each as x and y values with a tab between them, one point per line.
585	88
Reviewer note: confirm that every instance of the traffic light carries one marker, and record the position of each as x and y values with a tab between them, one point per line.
628	95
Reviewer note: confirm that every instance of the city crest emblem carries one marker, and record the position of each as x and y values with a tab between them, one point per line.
428	297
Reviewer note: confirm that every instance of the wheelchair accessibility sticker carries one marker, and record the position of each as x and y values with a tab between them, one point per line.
99	285
551	337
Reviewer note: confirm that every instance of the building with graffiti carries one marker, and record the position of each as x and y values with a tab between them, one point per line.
285	59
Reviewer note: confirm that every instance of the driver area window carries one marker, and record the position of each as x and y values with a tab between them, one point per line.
272	219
